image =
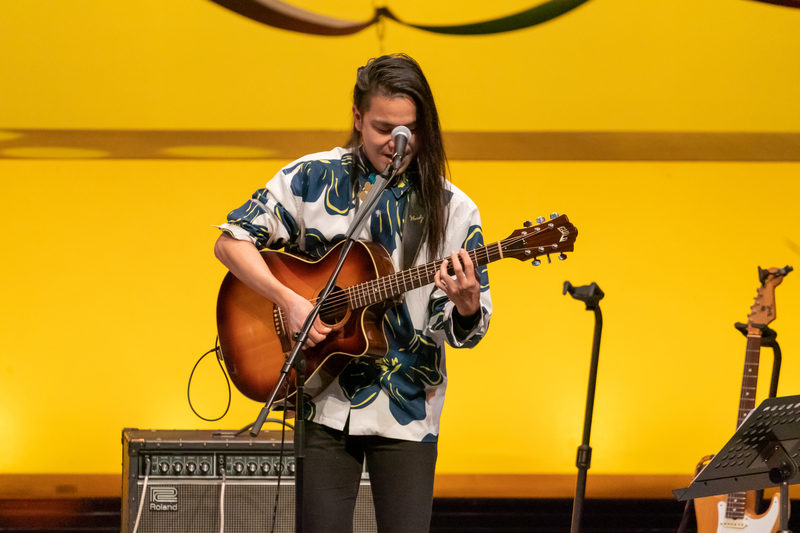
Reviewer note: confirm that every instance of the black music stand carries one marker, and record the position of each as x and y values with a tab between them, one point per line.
763	453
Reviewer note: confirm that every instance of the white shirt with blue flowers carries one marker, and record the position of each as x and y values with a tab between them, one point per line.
309	206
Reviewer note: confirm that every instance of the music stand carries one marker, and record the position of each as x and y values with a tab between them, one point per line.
763	453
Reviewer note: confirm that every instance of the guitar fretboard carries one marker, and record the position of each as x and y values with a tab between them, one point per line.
394	285
530	242
747	402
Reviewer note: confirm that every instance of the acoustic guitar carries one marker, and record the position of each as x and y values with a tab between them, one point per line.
736	512
253	333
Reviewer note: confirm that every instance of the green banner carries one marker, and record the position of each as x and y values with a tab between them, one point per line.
285	16
524	19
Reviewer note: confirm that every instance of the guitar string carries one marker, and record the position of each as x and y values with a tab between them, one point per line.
363	292
387	284
383	288
736	501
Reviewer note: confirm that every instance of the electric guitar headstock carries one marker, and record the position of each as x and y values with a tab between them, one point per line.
763	310
556	236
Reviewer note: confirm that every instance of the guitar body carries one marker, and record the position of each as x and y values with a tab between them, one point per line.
711	516
252	333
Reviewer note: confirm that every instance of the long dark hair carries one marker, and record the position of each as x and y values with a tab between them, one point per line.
399	74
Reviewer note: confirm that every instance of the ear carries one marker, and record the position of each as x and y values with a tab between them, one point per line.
358	120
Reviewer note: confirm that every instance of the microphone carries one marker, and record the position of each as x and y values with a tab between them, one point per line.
400	137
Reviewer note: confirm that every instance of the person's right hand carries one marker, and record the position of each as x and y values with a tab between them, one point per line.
297	311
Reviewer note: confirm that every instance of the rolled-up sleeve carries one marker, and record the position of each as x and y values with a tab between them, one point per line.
269	218
467	234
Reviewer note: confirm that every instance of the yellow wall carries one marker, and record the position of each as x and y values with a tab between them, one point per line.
109	283
653	65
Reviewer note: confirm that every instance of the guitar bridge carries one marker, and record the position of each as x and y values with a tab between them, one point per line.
280	328
731	524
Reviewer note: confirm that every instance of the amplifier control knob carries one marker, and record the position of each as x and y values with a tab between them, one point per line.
291	468
177	468
238	467
252	468
191	467
265	467
279	467
204	467
164	467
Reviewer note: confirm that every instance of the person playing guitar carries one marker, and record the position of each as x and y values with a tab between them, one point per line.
382	409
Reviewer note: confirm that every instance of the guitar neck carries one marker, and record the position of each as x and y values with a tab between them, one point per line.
747	402
394	285
556	236
762	312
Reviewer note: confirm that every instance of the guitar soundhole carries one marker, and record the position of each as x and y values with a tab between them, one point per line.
335	309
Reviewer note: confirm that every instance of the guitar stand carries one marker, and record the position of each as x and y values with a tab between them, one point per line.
591	296
769	340
761	454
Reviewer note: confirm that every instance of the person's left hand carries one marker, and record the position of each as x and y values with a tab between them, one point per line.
463	289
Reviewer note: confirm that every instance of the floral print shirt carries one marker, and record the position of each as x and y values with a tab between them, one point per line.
308	206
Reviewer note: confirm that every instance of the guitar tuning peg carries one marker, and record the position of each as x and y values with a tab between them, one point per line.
527	224
539	220
562	256
536	262
553	216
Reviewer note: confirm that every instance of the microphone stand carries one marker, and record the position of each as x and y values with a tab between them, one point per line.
295	358
591	296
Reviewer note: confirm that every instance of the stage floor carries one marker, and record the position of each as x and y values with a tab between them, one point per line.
450	515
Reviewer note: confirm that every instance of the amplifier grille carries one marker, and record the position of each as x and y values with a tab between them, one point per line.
248	508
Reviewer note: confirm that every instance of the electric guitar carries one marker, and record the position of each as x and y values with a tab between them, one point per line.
736	512
253	334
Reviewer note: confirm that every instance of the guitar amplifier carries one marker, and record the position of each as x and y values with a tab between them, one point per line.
196	481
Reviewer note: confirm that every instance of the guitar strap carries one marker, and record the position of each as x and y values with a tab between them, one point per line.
413	229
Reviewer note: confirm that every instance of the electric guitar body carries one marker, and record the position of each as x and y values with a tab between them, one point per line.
712	516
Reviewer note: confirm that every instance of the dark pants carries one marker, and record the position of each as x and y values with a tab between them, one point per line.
401	475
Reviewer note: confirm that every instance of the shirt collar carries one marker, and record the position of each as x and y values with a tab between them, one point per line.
367	172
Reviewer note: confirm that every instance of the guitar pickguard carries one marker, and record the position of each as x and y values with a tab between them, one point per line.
766	523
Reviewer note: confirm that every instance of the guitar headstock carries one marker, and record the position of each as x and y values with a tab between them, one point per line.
763	311
556	236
